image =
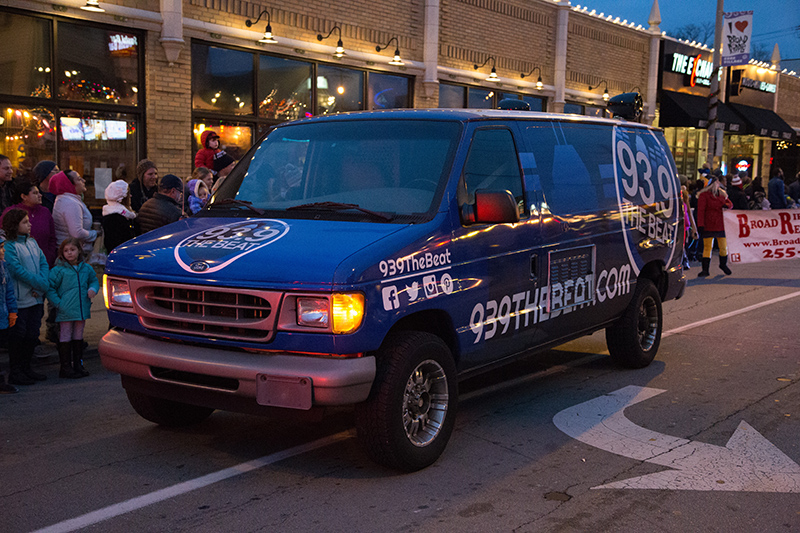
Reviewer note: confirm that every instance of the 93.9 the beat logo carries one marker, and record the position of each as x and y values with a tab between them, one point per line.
647	192
219	246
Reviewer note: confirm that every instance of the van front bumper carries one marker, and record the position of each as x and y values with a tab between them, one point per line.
265	379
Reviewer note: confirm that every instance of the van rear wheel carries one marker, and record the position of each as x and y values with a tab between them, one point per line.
167	412
408	418
634	339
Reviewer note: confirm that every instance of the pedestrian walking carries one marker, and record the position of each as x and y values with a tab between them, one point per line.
74	284
710	203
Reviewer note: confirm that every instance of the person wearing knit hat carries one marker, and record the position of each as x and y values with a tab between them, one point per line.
119	221
145	184
736	192
165	207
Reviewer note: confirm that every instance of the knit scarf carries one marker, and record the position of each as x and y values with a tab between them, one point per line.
112	208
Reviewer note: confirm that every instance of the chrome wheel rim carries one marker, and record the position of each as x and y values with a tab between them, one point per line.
425	401
648	324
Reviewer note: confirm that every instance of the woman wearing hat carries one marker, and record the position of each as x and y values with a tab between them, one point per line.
70	215
710	203
145	184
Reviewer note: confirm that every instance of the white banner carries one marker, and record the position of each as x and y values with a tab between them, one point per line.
755	236
736	30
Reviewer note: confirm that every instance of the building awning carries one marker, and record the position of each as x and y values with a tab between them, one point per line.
764	122
683	110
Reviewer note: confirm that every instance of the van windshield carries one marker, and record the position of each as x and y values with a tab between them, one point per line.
375	170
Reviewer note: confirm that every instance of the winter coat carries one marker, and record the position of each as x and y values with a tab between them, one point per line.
158	211
73	219
29	271
70	285
709	211
117	229
777	193
140	194
205	155
738	197
42	229
195	202
8	300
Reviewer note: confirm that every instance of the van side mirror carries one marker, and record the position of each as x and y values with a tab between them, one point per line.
491	207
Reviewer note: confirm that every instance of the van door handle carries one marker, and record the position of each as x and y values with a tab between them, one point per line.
534	268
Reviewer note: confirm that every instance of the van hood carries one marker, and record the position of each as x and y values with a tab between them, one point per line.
249	252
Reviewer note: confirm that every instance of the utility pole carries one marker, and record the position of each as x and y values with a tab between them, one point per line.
713	98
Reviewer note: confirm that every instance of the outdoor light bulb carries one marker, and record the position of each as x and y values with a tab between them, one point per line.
493	76
396	59
268	38
605	95
539	83
339	49
93	5
340	89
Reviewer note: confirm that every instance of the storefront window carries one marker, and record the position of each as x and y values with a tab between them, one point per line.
387	91
97	65
536	103
339	90
480	98
27	135
574	109
24	56
222	80
235	138
283	88
101	147
451	96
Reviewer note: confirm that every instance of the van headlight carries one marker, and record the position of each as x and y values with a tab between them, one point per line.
117	293
339	312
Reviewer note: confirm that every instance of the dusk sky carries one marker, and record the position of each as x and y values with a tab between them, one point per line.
774	21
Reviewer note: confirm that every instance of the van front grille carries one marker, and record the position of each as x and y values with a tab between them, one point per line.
226	313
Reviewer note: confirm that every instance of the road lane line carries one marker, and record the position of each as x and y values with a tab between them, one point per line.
728	315
145	500
139	502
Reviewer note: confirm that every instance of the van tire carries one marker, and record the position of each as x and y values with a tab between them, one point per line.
634	339
398	425
167	412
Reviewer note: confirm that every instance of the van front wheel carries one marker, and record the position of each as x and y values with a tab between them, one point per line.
410	413
633	340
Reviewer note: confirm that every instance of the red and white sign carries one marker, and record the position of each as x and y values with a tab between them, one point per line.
736	31
755	236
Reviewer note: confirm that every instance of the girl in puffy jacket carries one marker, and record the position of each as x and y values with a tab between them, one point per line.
74	284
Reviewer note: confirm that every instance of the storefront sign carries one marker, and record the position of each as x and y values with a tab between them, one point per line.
759	85
743	165
755	236
120	44
698	69
736	30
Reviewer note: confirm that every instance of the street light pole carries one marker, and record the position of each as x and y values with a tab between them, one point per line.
713	98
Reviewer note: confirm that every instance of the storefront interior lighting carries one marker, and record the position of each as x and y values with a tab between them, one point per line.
493	75
267	38
396	59
539	83
339	52
93	6
606	96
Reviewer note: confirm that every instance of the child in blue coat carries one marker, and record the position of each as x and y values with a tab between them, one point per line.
8	310
74	284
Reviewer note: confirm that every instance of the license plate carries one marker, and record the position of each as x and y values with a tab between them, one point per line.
282	391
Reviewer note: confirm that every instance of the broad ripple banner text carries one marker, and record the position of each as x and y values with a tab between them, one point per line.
755	236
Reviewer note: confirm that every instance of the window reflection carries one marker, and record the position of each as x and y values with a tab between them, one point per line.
27	135
234	137
97	65
283	88
387	91
339	90
25	58
222	80
451	96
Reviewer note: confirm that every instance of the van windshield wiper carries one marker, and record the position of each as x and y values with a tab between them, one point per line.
337	206
234	202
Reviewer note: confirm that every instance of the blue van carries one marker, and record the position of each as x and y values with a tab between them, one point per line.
375	259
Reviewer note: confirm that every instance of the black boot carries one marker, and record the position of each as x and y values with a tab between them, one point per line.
77	358
706	262
65	357
723	265
16	359
28	347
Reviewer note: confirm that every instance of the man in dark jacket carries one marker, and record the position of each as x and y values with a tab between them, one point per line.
165	205
776	190
736	194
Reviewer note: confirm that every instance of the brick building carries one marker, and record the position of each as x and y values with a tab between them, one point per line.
97	91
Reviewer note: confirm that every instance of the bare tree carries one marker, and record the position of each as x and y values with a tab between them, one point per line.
702	33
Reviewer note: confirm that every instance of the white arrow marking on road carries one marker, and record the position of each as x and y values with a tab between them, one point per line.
749	462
